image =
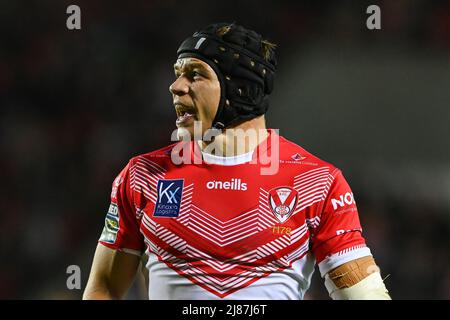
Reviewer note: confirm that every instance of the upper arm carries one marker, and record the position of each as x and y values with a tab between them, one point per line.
118	252
112	273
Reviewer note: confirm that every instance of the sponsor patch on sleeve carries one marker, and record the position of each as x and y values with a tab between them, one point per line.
109	233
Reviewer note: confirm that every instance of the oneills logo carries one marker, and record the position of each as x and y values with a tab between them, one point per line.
234	184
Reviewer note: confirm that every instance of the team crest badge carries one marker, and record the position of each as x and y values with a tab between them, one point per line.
282	201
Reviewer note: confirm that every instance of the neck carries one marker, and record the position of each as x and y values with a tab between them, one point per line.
238	140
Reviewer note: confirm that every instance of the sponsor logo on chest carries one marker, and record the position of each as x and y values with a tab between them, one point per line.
169	198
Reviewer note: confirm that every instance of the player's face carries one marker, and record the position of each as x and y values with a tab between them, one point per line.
196	93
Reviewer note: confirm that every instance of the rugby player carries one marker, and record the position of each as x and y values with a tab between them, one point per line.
211	222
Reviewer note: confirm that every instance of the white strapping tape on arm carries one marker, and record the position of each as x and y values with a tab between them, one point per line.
370	288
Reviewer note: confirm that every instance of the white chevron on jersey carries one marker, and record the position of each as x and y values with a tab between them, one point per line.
263	251
221	266
164	234
144	177
312	186
298	253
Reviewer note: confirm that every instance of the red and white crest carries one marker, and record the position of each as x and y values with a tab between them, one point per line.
282	201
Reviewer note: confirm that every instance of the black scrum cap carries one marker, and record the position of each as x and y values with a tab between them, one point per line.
244	69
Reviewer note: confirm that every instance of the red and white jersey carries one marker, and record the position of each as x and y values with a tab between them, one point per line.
220	229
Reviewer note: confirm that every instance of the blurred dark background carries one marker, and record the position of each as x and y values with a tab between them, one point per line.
76	105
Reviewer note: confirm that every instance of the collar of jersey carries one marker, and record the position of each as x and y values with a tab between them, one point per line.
208	158
228	161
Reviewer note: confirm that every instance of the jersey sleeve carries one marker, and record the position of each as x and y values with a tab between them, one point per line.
338	238
121	229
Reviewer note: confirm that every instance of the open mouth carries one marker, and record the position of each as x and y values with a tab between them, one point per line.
186	115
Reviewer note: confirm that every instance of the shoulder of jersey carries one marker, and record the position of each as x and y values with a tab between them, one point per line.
292	152
160	156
